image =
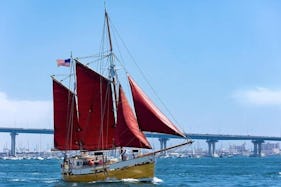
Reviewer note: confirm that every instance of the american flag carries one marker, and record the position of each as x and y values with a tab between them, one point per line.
63	62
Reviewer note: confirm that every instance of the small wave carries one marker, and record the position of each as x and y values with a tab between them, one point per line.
35	173
156	180
17	180
50	181
130	180
74	184
279	172
108	180
153	180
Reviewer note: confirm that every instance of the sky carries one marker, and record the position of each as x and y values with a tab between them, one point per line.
215	64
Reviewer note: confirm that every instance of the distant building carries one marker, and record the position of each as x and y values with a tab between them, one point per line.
270	148
238	149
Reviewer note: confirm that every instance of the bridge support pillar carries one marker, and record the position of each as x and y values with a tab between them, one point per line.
257	147
13	143
163	143
211	147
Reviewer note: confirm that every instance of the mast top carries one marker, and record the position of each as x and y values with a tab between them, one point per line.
108	30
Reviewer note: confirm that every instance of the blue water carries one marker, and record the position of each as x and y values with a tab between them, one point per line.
236	171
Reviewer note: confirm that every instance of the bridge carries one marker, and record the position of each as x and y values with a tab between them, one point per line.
15	131
211	139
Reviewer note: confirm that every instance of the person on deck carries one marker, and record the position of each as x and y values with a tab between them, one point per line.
123	154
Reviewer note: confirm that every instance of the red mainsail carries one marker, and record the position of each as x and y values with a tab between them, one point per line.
128	133
96	118
66	135
149	117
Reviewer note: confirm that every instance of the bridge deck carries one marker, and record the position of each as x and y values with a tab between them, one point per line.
157	135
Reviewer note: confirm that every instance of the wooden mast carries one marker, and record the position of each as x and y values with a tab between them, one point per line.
108	31
112	71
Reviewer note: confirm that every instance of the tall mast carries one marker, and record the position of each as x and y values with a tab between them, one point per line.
112	70
108	31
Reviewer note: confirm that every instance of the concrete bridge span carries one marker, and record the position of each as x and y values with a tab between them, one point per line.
211	139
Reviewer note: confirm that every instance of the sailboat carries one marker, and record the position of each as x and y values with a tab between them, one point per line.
94	119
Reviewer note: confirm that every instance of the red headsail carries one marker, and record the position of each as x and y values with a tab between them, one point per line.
128	133
149	117
66	126
95	107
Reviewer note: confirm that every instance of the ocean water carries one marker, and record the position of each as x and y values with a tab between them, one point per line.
235	171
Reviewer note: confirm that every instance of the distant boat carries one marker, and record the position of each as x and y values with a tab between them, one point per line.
96	119
39	158
12	158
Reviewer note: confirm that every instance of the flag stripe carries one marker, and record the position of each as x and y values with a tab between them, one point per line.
63	62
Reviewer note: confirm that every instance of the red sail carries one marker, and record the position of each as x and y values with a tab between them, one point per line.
149	117
65	118
128	133
96	117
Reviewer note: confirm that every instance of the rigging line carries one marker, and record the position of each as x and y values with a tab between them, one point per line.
119	53
62	75
142	73
111	54
69	116
118	49
93	56
121	57
119	60
107	123
71	72
97	60
101	52
133	139
70	119
112	71
126	72
104	109
102	47
100	138
66	77
122	65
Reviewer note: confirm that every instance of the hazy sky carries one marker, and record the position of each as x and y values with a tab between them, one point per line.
215	64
